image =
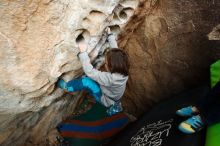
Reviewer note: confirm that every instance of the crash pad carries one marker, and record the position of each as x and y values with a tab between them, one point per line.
215	73
91	128
213	135
213	131
159	127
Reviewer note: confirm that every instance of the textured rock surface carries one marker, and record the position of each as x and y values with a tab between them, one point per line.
215	33
169	52
38	45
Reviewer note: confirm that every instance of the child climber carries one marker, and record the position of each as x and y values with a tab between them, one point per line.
107	87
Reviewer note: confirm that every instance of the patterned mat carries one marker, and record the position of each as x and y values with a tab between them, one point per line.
92	128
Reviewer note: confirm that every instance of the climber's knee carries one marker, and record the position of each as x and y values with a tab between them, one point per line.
92	86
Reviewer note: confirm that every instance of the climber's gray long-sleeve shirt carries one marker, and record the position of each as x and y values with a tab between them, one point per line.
112	84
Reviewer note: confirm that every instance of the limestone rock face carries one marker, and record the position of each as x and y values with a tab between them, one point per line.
38	44
169	51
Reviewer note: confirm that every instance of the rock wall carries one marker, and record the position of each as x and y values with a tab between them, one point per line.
169	51
38	44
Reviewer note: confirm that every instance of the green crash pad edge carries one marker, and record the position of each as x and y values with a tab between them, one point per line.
213	135
213	132
215	73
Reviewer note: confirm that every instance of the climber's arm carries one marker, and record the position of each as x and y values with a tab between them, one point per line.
112	41
111	38
103	78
